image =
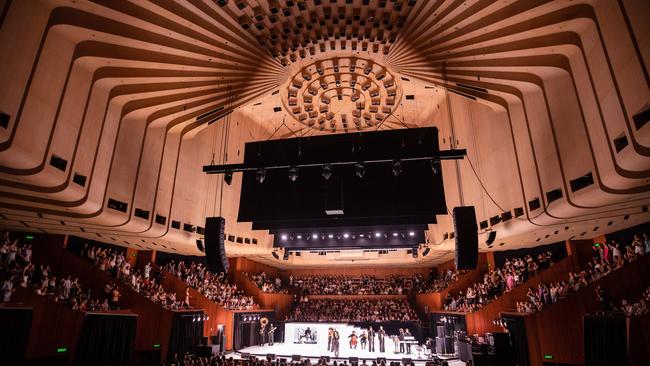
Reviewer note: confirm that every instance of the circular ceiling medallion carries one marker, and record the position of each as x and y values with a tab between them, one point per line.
342	94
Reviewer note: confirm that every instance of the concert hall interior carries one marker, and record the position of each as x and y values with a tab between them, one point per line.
325	182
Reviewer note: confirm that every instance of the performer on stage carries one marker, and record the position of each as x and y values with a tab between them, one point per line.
335	342
381	334
271	334
400	336
396	342
364	339
263	334
353	340
330	333
407	333
371	339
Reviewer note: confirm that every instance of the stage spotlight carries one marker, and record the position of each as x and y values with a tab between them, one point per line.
330	236
327	172
299	236
414	252
314	236
377	235
360	170
395	234
293	173
346	235
260	175
435	165
227	177
397	167
284	237
411	233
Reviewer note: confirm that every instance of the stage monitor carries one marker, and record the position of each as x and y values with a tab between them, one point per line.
379	197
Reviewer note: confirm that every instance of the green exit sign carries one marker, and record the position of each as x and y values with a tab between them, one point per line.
548	357
157	345
29	237
62	350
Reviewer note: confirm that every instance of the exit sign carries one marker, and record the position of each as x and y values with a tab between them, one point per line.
157	345
62	350
548	357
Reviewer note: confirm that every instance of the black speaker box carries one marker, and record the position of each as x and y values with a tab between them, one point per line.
215	252
466	234
491	237
199	245
245	355
295	358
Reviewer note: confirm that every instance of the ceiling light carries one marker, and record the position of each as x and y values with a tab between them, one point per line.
293	173
227	177
327	172
284	237
395	234
360	170
346	235
299	236
330	236
411	233
260	175
377	235
397	168
314	236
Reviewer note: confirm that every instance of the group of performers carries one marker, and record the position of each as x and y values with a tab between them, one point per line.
403	340
267	336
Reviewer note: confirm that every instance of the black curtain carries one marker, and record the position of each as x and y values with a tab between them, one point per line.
186	333
518	340
605	340
16	325
247	331
106	340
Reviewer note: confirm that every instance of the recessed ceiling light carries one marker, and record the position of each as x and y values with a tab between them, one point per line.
395	234
284	237
330	236
346	236
314	236
377	235
299	236
411	233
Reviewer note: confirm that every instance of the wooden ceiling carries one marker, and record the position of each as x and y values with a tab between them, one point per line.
108	109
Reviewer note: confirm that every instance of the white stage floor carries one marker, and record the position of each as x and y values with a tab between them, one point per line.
286	350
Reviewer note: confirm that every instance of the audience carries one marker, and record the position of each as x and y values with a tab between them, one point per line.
214	286
638	308
605	259
346	285
146	282
264	282
221	360
352	311
438	282
16	264
498	281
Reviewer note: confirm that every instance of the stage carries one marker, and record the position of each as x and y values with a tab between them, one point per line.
316	347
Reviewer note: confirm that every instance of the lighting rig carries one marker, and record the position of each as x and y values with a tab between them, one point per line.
395	163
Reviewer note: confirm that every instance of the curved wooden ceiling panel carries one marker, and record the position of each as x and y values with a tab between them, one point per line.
107	107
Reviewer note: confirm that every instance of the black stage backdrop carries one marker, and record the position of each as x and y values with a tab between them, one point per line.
187	332
247	328
17	323
518	340
106	340
605	340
